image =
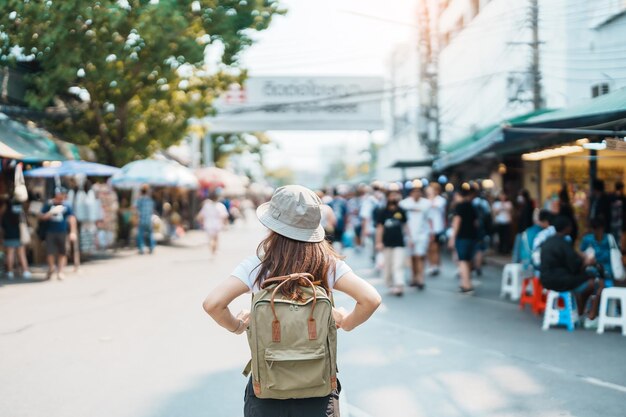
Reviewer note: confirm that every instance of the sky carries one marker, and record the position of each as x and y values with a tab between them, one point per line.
327	37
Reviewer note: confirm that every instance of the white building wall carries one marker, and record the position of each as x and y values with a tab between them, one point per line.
476	64
403	115
583	43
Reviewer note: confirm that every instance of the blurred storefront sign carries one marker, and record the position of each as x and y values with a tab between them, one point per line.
616	145
300	103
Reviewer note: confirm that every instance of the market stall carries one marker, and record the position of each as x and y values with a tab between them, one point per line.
173	189
94	203
68	168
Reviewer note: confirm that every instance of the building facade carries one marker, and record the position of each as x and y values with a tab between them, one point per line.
497	56
402	118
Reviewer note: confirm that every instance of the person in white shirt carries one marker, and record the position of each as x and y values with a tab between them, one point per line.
419	225
503	215
371	202
437	216
213	216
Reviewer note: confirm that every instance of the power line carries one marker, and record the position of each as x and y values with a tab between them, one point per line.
378	18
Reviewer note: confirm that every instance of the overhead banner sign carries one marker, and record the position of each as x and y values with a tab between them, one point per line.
300	103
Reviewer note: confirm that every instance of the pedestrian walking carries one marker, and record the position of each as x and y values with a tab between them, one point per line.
371	203
295	245
212	217
437	216
503	216
417	208
124	222
340	209
354	219
391	231
15	233
566	210
526	210
484	228
144	209
60	225
464	238
328	220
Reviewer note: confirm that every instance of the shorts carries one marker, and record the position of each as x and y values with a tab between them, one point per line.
481	244
303	407
420	245
56	243
441	238
212	232
465	249
12	243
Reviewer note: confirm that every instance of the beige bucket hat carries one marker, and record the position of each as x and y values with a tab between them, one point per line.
294	212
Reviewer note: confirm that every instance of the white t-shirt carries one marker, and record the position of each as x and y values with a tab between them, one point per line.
503	210
437	214
213	214
417	215
248	269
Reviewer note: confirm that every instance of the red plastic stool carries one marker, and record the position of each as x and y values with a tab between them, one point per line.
535	298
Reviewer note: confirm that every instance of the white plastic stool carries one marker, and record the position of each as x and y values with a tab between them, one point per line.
612	294
554	315
512	276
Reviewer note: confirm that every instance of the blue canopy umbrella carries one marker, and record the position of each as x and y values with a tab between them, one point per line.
66	168
160	173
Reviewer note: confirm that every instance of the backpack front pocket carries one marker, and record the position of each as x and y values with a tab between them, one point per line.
295	369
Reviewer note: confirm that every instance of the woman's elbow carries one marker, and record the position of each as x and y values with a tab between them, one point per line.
210	306
374	301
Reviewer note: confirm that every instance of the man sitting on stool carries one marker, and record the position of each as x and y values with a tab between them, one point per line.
564	269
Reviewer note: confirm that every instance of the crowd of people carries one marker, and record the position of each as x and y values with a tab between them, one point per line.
397	225
413	223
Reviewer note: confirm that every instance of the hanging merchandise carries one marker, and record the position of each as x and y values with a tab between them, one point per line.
87	239
24	231
20	193
93	207
80	205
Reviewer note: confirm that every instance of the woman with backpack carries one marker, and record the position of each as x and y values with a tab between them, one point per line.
294	248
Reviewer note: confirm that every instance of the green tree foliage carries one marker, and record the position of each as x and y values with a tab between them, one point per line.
142	63
226	144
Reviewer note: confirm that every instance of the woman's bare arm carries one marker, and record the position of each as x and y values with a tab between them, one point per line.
366	296
216	305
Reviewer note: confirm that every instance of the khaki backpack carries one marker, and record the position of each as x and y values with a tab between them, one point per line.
293	343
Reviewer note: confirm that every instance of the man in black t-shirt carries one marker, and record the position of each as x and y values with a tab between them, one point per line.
391	230
464	238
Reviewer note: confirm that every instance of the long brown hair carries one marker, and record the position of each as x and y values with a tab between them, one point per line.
280	256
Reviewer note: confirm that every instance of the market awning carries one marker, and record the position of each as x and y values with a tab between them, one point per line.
603	116
478	142
8	152
31	143
160	173
67	168
419	163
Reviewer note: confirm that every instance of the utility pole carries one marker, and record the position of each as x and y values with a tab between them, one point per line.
429	129
534	67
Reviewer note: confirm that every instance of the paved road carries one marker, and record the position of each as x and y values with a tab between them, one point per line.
127	337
